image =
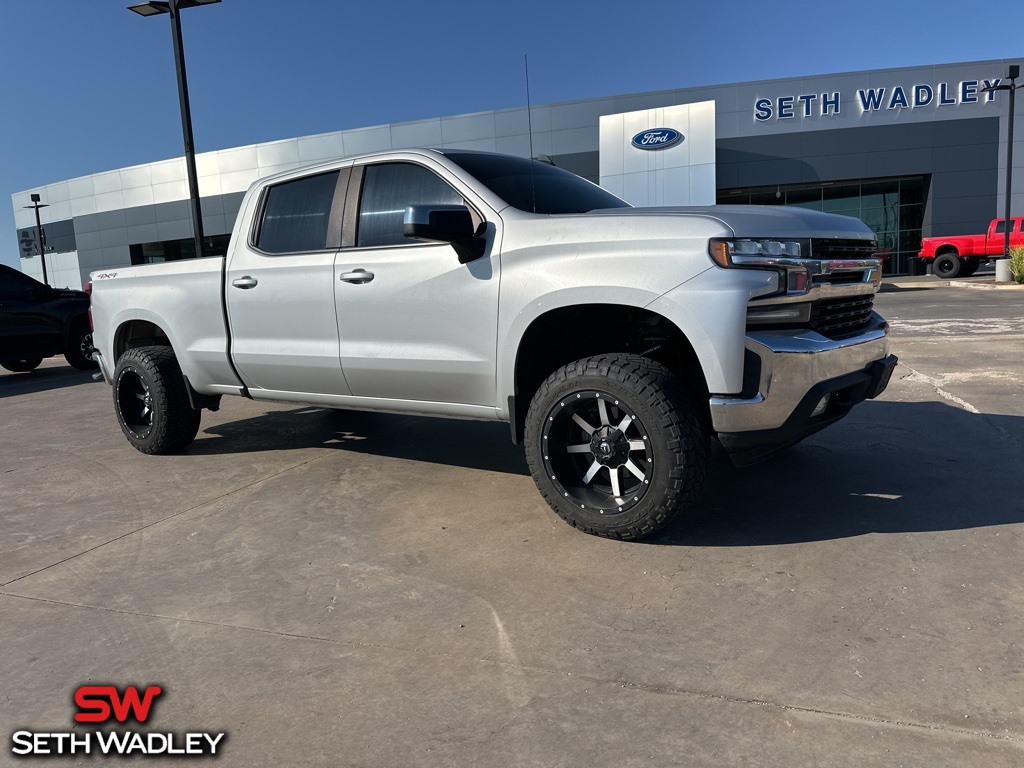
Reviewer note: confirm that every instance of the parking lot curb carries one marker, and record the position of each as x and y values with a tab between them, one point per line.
986	286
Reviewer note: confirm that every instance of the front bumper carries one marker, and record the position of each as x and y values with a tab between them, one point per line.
788	376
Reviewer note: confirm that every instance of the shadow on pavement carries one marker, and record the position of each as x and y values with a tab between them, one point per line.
472	444
888	468
42	380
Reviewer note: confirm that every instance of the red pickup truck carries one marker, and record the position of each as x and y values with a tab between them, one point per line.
960	255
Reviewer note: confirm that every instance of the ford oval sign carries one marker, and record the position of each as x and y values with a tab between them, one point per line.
657	138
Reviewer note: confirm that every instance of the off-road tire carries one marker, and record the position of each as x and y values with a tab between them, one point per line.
947	265
665	425
22	366
79	349
151	401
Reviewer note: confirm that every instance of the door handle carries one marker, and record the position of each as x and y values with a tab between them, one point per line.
358	277
245	282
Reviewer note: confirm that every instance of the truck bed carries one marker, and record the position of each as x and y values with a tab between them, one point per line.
156	292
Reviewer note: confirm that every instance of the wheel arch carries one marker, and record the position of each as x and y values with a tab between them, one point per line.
949	248
564	334
138	333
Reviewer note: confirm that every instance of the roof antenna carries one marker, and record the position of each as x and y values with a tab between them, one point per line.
529	122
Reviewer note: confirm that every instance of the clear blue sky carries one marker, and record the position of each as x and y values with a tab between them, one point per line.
89	86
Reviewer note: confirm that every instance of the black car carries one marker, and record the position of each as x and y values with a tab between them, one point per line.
37	321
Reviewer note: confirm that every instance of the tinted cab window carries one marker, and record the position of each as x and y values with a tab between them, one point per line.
297	215
16	286
532	186
388	188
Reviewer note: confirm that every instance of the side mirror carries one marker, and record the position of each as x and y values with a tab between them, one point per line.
445	223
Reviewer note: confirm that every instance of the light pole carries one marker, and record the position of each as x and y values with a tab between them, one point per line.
1012	75
173	8
39	232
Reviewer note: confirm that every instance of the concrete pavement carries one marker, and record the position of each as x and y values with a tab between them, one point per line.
350	589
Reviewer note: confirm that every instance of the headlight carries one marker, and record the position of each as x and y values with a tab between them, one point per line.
756	252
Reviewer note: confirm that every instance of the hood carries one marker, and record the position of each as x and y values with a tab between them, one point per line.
762	220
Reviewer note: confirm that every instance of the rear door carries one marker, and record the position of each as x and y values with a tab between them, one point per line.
280	288
415	323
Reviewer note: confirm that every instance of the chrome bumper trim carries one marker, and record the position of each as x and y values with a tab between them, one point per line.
792	364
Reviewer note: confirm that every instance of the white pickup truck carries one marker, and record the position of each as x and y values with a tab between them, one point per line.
616	341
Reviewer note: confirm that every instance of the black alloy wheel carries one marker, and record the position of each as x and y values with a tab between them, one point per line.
134	402
616	445
596	452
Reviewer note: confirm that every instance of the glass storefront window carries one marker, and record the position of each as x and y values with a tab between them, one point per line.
805	198
912	190
910	241
911	216
766	198
880	194
841	197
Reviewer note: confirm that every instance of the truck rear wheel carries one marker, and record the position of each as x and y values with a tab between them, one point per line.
616	446
947	265
151	401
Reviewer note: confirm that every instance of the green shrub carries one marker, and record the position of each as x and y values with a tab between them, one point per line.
1017	263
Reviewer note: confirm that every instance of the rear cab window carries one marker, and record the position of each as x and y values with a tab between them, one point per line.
296	215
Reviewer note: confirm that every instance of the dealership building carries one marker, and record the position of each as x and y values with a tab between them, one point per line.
912	152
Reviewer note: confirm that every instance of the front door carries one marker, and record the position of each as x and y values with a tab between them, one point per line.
414	323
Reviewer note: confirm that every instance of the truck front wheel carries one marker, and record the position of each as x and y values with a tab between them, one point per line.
616	445
947	265
151	401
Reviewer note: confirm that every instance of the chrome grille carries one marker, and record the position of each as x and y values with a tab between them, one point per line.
836	318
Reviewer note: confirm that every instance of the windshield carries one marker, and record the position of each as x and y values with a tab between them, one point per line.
532	186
